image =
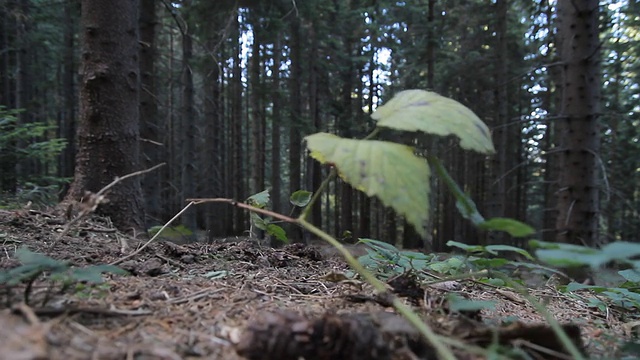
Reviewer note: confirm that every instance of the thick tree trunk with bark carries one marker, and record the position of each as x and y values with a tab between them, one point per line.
578	203
108	129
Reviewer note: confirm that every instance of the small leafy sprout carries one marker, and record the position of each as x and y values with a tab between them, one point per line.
35	266
261	200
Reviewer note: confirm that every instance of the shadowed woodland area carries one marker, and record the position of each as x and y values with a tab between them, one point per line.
114	113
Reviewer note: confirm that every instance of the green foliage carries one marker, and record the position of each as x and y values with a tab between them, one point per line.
626	295
300	198
20	143
261	200
387	260
492	250
395	174
565	255
387	170
428	112
35	266
12	134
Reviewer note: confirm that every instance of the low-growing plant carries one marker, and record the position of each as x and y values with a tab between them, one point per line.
626	254
61	277
399	176
298	199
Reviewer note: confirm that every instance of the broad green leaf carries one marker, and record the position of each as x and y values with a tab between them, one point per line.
537	244
373	243
621	250
567	258
428	112
513	227
389	171
278	232
523	252
300	198
630	275
258	221
466	247
259	200
28	257
485	263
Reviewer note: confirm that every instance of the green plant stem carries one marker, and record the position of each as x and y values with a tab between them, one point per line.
443	351
553	323
455	189
318	192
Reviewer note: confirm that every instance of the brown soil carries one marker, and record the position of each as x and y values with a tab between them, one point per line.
211	301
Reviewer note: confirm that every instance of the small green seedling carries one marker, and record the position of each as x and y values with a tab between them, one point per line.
38	266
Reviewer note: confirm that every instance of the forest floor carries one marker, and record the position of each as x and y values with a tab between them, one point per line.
214	301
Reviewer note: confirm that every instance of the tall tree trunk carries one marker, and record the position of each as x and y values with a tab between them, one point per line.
67	126
256	152
497	181
189	128
551	101
108	138
24	167
214	132
314	170
276	131
236	170
8	159
149	120
579	48
295	137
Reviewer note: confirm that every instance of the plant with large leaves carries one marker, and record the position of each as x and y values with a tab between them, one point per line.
395	173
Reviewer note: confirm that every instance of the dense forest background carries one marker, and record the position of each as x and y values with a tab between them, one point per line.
229	89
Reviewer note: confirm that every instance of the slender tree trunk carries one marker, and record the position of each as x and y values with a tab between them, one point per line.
295	138
497	181
108	138
8	159
314	169
256	152
67	128
189	126
276	131
579	49
149	120
236	170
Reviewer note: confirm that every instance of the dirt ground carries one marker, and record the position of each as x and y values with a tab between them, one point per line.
214	301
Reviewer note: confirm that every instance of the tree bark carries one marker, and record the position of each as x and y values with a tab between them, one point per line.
108	132
578	202
149	119
189	129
